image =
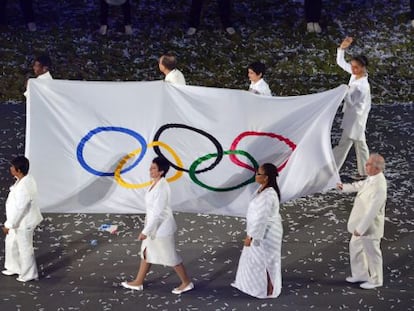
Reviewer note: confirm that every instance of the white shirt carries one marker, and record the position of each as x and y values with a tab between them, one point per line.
260	87
357	102
44	76
176	77
22	211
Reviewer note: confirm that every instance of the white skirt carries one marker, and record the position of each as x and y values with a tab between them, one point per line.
160	251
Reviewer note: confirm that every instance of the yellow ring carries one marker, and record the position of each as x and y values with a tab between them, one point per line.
123	183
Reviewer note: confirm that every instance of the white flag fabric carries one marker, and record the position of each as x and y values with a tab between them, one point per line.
91	144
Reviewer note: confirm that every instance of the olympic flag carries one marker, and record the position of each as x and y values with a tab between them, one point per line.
91	144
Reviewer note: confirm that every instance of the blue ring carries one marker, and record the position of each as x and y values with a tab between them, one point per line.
84	140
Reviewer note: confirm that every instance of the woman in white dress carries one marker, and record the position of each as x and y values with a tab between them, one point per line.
158	243
255	72
259	271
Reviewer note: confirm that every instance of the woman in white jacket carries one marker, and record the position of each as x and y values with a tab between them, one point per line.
259	271
158	244
357	104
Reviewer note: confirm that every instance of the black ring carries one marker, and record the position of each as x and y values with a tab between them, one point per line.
215	142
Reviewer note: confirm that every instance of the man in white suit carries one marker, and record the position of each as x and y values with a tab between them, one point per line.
366	224
22	217
167	65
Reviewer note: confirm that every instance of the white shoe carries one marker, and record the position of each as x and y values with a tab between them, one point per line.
128	30
103	30
133	287
309	27
317	27
351	279
178	291
191	31
230	30
8	272
369	285
31	26
24	281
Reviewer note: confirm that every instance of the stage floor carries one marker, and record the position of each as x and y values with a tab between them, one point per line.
76	274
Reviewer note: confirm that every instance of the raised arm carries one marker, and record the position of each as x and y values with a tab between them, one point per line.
340	56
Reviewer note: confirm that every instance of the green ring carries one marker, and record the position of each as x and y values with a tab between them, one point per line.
197	162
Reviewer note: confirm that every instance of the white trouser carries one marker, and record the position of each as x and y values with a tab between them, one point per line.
342	149
366	259
19	254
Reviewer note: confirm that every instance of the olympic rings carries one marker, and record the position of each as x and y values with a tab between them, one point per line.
209	136
236	141
233	152
211	155
87	137
132	154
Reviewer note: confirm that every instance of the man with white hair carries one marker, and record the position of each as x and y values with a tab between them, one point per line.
366	224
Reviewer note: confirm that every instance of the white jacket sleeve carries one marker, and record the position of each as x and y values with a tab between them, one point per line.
354	187
22	200
155	217
375	202
257	219
340	60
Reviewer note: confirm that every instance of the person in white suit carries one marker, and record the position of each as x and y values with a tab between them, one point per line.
258	85
366	224
158	244
357	104
168	66
41	67
22	217
259	270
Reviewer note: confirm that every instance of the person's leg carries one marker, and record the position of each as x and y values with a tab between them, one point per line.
3	5
412	9
374	256
103	17
11	257
269	285
126	8
225	7
182	274
144	267
313	10
341	150
28	267
27	8
362	155
195	13
358	259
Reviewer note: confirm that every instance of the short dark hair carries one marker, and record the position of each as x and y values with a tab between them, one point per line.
258	68
361	59
169	61
44	60
163	165
21	163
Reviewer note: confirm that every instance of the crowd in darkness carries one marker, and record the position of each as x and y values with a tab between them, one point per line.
312	9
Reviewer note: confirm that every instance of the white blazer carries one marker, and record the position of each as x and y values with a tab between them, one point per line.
368	213
22	211
176	77
357	102
260	88
159	219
